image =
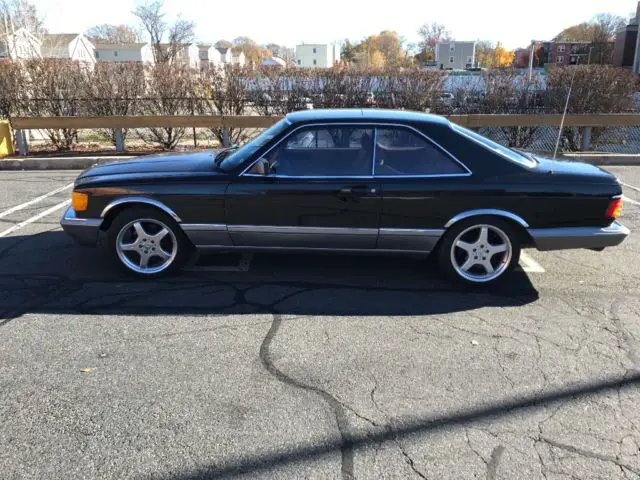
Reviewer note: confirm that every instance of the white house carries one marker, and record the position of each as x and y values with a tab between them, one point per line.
21	45
225	54
317	55
210	55
130	52
73	46
188	53
456	55
238	58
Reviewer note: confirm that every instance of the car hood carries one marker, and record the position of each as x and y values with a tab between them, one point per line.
563	168
172	164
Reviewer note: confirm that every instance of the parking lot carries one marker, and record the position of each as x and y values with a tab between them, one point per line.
311	366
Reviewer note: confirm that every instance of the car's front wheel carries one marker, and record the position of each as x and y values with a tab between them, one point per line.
147	243
479	250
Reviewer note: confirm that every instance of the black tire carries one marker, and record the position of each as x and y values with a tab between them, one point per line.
149	217
504	264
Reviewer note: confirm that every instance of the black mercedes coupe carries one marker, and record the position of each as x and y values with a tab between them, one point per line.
372	181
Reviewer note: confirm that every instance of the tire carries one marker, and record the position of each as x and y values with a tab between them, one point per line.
465	257
166	252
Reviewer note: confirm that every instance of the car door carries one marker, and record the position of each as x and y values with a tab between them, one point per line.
313	189
419	180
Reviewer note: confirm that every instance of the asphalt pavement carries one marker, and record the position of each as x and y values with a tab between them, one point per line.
311	366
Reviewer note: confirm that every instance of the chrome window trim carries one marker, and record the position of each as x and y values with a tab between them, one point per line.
373	151
487	211
374	126
145	200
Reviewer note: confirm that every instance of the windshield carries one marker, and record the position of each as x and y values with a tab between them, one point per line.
239	156
495	147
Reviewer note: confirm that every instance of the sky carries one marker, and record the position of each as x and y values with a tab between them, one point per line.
290	22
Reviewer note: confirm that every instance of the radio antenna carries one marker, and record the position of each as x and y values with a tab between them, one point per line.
566	107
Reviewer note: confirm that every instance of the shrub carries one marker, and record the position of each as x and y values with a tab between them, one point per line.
115	89
225	91
51	90
596	89
12	80
170	91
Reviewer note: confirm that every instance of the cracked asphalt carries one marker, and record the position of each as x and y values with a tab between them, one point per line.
313	366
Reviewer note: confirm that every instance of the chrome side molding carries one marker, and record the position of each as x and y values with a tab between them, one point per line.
144	200
487	211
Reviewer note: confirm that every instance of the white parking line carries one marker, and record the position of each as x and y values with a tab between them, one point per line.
35	200
529	265
35	218
630	186
631	201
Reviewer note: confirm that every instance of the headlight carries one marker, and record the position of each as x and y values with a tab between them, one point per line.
79	201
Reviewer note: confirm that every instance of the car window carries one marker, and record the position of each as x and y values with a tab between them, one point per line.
402	152
322	152
241	155
495	147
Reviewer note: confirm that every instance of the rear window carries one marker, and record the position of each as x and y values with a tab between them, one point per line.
495	147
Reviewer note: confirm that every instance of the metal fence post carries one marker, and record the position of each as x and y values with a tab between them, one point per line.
23	143
226	140
586	139
119	140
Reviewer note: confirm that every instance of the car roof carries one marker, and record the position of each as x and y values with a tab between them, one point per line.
355	114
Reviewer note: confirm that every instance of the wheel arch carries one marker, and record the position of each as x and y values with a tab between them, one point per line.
519	224
114	208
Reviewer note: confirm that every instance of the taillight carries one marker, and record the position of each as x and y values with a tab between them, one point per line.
615	208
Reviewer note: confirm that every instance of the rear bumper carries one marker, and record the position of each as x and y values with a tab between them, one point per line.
579	237
85	231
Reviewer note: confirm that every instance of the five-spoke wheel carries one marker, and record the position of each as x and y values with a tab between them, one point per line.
147	242
479	250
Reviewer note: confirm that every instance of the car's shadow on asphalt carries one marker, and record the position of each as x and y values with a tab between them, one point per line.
48	273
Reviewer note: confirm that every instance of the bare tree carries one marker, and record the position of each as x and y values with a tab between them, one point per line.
153	20
430	35
15	14
604	28
113	34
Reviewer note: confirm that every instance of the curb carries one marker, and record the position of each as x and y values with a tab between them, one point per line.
82	163
611	160
57	163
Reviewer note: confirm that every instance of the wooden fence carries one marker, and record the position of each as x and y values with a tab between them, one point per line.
118	123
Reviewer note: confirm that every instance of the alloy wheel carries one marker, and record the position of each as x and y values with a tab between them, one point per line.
481	253
146	246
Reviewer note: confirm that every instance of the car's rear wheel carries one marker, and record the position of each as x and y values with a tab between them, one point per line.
147	243
479	250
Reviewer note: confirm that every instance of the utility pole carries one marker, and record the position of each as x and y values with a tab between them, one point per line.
636	56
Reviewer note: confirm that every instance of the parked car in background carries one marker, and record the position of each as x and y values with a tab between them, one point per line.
366	180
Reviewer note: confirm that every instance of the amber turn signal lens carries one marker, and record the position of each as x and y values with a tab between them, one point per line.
79	201
615	208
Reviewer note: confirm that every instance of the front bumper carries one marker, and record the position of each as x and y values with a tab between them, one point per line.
85	231
579	237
